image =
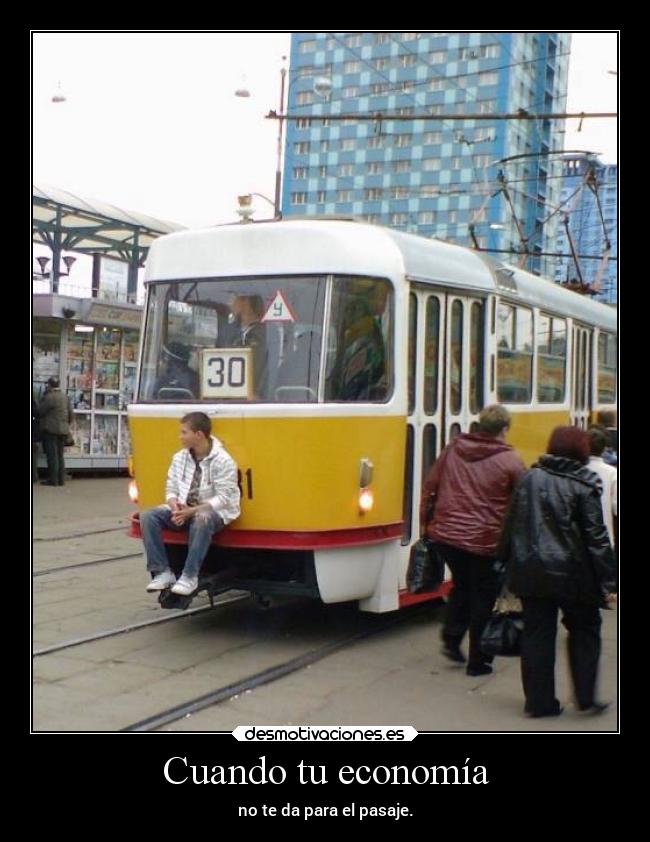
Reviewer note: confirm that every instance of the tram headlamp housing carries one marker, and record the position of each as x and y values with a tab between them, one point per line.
133	491
366	500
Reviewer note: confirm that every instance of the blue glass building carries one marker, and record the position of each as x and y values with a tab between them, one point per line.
585	223
434	177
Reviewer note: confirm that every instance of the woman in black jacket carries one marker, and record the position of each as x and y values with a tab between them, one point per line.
558	555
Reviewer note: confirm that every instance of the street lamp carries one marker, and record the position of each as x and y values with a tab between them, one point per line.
278	165
245	207
322	87
58	95
42	261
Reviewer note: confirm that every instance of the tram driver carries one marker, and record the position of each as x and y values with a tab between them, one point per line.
247	313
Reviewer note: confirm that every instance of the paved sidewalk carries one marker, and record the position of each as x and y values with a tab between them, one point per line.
397	677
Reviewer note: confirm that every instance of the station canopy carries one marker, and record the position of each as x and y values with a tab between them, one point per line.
66	222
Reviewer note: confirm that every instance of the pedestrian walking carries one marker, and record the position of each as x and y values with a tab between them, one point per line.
559	557
462	509
609	478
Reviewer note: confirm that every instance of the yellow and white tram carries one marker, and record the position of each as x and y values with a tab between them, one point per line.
373	349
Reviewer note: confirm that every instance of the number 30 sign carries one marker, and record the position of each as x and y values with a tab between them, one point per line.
225	373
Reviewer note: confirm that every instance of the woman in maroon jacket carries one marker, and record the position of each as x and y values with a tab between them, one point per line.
469	488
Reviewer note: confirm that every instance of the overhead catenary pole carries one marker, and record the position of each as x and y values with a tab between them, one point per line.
572	247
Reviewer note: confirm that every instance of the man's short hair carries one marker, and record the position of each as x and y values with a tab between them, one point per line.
198	422
493	419
53	382
598	440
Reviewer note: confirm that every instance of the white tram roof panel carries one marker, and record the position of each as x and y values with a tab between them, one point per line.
297	246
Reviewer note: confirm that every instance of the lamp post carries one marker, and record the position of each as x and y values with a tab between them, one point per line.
278	166
245	208
322	86
54	273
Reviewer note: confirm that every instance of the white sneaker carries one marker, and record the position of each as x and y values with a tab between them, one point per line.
185	586
162	581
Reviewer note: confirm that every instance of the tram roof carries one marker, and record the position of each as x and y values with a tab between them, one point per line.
306	246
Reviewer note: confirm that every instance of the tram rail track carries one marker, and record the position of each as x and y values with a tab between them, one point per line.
259	679
124	527
143	624
62	567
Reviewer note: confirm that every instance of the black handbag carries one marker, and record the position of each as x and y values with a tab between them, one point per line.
426	568
502	634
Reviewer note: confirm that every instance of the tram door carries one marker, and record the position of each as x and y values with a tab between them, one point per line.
444	396
464	364
581	396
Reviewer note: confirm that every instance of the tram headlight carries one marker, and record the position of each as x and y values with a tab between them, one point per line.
366	500
133	491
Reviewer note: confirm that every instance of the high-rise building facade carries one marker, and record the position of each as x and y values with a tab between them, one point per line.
433	176
589	232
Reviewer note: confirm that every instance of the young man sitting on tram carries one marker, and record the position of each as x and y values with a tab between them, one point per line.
202	496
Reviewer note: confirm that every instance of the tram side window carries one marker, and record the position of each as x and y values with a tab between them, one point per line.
412	351
476	358
431	340
359	365
456	358
606	368
551	359
514	354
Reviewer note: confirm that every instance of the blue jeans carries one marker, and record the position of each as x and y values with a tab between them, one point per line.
201	528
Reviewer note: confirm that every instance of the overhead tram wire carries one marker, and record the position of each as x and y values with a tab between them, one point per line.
430	66
528	237
440	76
521	114
532	236
443	118
419	58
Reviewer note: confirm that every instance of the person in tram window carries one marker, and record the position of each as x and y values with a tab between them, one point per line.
360	367
247	313
55	416
559	556
463	505
201	496
176	380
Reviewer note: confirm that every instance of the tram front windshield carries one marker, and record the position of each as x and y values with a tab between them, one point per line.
263	339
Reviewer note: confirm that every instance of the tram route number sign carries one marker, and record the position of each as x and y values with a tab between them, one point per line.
226	373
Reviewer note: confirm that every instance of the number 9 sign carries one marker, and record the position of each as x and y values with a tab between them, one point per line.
225	373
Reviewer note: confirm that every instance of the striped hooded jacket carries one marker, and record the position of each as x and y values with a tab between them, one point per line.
219	485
